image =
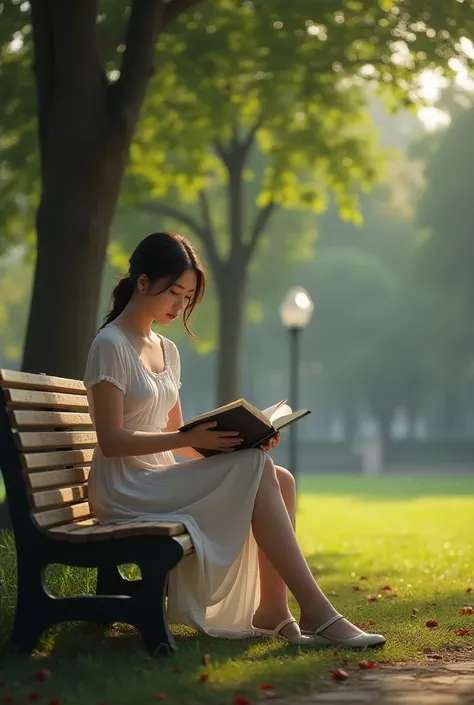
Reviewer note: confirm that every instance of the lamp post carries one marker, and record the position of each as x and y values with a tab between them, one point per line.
295	311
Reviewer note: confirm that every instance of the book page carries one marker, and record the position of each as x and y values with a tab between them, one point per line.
271	410
229	407
256	412
220	409
288	419
283	410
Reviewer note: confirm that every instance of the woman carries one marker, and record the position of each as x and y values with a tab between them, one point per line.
237	506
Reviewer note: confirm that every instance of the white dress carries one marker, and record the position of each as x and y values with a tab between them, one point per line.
215	590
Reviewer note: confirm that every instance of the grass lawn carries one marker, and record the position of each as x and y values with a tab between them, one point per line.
414	534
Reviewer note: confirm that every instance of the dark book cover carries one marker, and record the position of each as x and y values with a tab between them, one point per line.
251	428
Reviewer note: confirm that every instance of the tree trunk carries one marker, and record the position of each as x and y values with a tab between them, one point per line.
73	223
85	128
231	320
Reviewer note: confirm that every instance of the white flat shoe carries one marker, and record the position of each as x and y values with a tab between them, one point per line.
356	642
299	639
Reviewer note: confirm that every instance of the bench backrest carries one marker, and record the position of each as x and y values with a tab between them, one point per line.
46	446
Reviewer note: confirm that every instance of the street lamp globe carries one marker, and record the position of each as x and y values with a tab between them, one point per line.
296	308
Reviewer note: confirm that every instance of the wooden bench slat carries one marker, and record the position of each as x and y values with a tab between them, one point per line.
144	528
186	542
56	459
49	419
55	439
56	478
65	531
54	400
27	380
63	515
100	532
59	495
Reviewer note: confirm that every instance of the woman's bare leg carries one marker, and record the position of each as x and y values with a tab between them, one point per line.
273	607
274	535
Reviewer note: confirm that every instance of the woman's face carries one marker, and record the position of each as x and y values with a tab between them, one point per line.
169	304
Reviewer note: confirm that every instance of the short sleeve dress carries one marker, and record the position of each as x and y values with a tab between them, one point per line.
215	590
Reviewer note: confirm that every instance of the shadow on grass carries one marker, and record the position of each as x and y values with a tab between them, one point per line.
84	655
71	638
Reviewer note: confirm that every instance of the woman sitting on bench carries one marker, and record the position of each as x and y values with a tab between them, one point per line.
238	507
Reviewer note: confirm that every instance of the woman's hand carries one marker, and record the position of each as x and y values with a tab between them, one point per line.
202	436
271	443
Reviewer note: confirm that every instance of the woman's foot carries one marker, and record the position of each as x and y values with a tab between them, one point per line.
270	620
342	629
337	631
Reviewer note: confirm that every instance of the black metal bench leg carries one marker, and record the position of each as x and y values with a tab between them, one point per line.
31	607
150	612
26	634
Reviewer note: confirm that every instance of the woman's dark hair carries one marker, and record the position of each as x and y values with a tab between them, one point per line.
160	256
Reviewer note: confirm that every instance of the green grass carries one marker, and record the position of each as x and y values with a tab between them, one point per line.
415	534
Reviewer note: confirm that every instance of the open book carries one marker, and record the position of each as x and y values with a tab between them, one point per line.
255	427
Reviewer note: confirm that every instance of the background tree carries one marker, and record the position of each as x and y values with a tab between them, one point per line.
446	212
90	82
86	122
276	87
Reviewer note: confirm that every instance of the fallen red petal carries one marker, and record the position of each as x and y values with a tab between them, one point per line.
371	598
356	588
462	632
372	623
241	700
266	686
367	665
339	675
469	610
432	623
468	589
386	587
42	674
363	577
462	611
204	677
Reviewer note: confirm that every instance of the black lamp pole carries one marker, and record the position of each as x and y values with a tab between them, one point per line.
294	398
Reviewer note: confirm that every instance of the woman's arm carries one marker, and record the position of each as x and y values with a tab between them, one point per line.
114	440
175	421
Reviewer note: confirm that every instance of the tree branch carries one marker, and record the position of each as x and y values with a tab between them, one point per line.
248	141
172	212
146	18
202	232
222	153
206	212
260	222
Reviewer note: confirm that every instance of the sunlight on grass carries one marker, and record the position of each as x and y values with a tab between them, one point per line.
414	535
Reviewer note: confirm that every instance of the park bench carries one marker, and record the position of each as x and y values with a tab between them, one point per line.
46	445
